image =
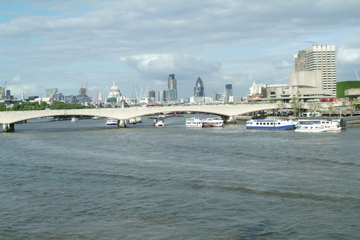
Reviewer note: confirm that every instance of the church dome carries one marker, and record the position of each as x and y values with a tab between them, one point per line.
114	91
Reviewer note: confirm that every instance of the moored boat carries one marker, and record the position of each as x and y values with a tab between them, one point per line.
111	121
319	125
214	122
276	124
74	119
132	121
194	122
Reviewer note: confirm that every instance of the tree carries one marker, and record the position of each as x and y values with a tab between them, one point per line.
313	107
331	108
280	105
3	107
296	105
351	105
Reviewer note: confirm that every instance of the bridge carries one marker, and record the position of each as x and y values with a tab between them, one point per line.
227	112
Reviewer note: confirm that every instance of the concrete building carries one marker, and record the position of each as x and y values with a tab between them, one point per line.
300	61
199	88
322	58
350	89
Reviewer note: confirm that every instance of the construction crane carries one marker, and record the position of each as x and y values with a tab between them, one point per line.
356	75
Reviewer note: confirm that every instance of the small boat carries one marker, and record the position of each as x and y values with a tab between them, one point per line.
95	118
111	121
138	120
132	121
317	125
159	122
214	122
270	124
194	122
74	119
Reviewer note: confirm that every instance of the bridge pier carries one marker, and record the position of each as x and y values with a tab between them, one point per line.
9	127
231	120
122	123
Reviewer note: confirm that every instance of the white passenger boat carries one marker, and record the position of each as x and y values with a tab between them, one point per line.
270	124
159	122
194	122
111	121
317	125
215	122
74	119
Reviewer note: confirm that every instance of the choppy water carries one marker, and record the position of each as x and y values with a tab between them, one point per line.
85	180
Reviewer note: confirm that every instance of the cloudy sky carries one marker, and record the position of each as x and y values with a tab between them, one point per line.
70	44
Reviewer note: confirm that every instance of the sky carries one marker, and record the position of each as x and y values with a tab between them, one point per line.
69	44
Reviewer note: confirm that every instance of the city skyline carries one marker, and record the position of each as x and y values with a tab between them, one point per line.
57	44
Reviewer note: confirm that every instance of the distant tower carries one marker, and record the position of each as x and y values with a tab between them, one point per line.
172	88
199	88
229	89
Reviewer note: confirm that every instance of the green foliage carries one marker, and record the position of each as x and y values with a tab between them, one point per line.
27	106
3	107
62	105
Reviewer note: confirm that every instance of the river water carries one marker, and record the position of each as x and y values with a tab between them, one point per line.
86	180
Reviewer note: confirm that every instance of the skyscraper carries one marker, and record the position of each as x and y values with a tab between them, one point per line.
199	88
229	89
172	88
322	58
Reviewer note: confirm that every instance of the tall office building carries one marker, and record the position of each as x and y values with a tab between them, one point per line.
319	58
172	88
229	89
49	92
322	57
199	88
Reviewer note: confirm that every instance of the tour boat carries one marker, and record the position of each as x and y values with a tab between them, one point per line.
194	122
74	119
317	125
270	124
215	122
111	121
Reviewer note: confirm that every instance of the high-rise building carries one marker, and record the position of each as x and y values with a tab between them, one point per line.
199	88
49	92
300	61
229	89
322	58
161	96
172	88
319	58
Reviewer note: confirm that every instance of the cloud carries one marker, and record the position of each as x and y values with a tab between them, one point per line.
156	65
16	79
283	64
349	56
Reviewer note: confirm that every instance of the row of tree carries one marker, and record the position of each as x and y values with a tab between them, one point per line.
27	106
313	107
